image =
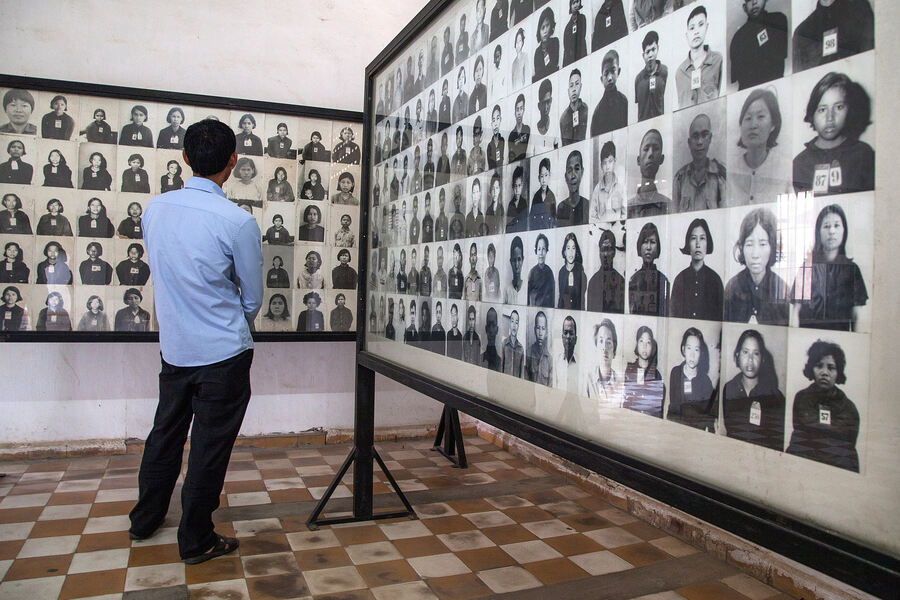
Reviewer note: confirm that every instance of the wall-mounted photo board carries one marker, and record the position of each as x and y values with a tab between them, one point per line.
645	227
82	162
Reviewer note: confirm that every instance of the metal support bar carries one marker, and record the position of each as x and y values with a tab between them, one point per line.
450	431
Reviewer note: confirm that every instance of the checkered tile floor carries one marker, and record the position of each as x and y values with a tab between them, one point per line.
501	528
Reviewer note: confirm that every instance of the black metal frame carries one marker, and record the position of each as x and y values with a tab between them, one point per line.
112	91
856	564
448	441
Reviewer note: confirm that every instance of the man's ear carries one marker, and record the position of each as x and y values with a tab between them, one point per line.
185	157
232	160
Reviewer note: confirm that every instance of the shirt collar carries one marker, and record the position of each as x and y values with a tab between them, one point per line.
688	65
205	185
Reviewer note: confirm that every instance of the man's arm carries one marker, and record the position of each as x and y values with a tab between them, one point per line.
248	268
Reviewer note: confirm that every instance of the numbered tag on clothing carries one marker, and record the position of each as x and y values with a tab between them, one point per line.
824	416
830	42
755	413
762	37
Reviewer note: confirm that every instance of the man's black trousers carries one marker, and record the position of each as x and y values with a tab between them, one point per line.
215	397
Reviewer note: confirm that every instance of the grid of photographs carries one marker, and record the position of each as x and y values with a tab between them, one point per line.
659	205
81	169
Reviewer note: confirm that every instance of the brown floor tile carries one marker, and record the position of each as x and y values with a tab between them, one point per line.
508	475
277	587
420	546
242	465
437	483
543	496
57	527
508	534
118	483
45	466
381	488
294	523
21	489
111	509
585	521
144	556
353	595
124	461
594	503
322	558
317	480
20	515
267	543
77	475
226	529
449	524
556	570
471	506
290	495
527	514
416	463
41	566
362	534
310	461
239	487
277	473
459	587
218	569
103	541
10	549
570	545
97	583
713	590
641	554
482	559
387	573
645	531
65	498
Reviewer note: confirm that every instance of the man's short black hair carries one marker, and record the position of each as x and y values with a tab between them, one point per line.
209	145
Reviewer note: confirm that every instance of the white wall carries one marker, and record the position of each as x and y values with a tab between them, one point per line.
310	52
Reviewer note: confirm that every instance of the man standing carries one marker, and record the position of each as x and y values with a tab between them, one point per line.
574	119
206	356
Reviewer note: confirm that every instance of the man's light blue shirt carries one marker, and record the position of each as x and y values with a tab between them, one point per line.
205	256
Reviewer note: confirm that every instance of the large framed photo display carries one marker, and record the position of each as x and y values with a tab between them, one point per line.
84	159
647	228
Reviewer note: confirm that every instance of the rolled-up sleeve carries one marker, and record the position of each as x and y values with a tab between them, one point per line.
248	267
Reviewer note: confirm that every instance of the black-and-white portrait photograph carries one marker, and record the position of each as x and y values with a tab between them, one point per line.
137	171
341	316
543	248
759	144
827	397
756	291
610	87
279	220
312	182
19	117
312	139
18	169
131	263
171	133
833	248
16	210
311	222
650	182
759	34
700	38
696	262
17	262
94	269
97	167
278	266
137	120
90	309
50	213
281	137
699	157
604	253
346	148
542	115
693	350
754	372
571	280
828	31
98	120
343	269
132	313
53	263
610	23
276	312
280	175
55	163
608	180
246	182
644	352
310	308
59	113
653	54
55	304
344	182
540	346
512	349
603	365
247	128
833	128
94	215
544	180
649	287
